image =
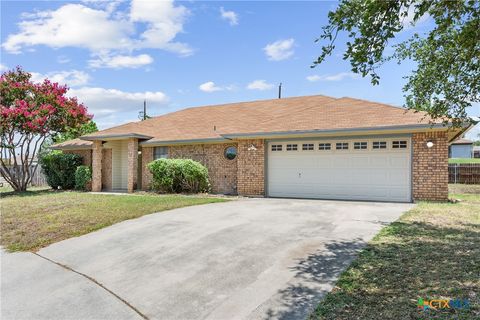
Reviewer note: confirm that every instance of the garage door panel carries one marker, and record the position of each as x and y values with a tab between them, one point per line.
399	161
379	175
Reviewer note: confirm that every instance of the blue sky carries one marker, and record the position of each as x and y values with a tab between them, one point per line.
114	54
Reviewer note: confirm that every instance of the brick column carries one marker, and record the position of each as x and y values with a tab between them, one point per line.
250	168
147	157
132	164
97	166
430	166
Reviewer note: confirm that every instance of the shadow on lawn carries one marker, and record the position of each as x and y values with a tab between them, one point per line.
324	266
407	262
29	193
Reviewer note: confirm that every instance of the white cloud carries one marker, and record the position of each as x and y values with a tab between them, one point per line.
117	62
280	50
3	67
333	77
72	25
407	18
209	86
229	16
103	29
164	21
113	107
259	85
71	78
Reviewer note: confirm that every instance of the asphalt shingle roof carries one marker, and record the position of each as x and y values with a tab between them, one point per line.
267	116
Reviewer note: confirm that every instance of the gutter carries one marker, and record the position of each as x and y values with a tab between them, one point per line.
115	136
320	131
188	141
71	147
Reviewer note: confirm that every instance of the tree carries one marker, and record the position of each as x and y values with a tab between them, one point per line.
30	113
73	133
446	80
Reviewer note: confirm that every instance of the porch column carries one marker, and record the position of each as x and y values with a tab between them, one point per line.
97	166
132	164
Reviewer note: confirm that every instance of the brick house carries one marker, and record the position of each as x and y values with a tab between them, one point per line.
302	147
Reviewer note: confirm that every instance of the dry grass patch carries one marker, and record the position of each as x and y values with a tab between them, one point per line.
35	219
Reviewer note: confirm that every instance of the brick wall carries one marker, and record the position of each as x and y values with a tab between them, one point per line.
107	169
221	171
251	164
147	157
97	166
132	165
85	154
430	166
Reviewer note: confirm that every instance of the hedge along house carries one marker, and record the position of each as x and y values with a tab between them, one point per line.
302	147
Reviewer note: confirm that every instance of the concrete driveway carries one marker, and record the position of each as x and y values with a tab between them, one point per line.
245	259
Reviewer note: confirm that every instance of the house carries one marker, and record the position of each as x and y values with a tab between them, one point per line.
461	148
476	151
302	147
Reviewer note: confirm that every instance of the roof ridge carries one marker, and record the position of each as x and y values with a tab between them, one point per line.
242	102
373	102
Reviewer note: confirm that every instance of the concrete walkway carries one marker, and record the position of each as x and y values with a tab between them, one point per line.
245	259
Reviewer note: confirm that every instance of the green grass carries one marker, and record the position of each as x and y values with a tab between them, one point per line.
35	219
464	160
431	252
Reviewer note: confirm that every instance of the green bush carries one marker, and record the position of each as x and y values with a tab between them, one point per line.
83	177
179	175
59	168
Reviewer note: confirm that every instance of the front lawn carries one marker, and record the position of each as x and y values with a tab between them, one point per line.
35	219
464	160
431	252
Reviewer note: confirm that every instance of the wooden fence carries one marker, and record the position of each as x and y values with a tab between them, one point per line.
38	178
468	173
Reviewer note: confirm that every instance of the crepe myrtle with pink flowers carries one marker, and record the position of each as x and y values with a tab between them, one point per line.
31	113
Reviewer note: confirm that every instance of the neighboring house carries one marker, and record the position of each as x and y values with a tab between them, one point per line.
302	147
461	148
476	151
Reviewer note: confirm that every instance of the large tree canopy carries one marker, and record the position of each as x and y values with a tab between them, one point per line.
446	80
29	114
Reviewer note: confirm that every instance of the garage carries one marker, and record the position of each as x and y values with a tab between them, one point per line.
377	169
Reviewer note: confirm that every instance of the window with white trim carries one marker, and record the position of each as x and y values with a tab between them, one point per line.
324	146
292	147
307	146
401	144
341	146
379	145
360	145
276	147
160	153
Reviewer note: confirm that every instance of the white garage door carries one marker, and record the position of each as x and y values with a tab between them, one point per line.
358	169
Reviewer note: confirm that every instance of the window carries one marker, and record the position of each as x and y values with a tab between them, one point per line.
399	144
160	153
276	147
324	146
360	145
307	146
230	153
379	145
292	147
341	145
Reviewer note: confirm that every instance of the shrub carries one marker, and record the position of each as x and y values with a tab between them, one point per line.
59	168
179	175
83	177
